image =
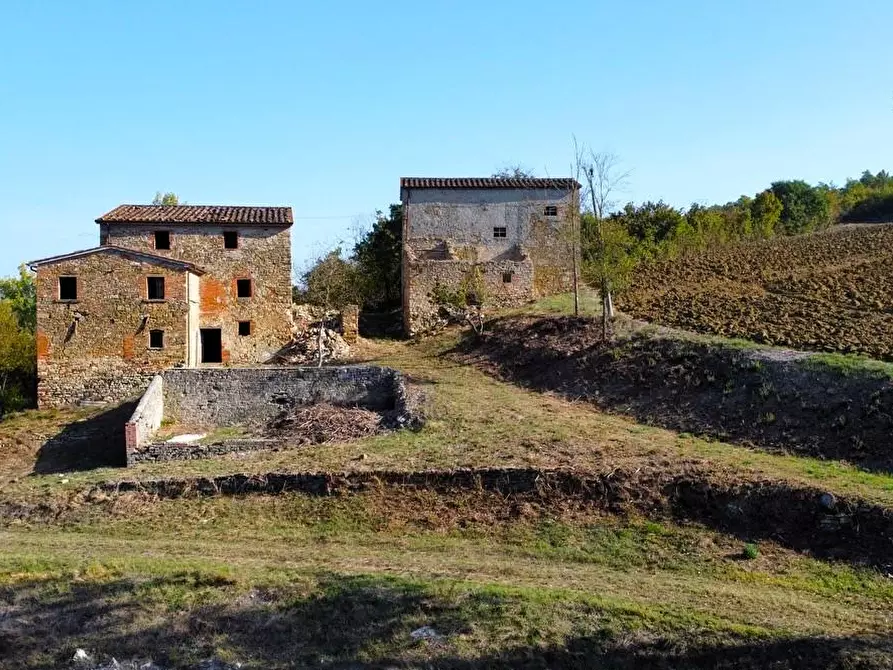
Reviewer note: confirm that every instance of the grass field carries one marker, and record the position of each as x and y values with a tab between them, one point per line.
344	581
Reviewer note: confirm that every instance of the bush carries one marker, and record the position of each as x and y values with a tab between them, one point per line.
751	551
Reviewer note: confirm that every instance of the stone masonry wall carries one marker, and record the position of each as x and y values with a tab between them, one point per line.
96	348
458	225
424	276
146	418
263	255
253	396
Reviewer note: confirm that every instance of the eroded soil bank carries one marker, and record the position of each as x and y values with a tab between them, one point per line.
781	401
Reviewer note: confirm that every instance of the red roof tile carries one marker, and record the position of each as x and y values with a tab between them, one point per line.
560	183
277	216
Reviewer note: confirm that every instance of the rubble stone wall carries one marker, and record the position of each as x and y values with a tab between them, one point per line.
458	226
146	418
96	348
263	256
253	396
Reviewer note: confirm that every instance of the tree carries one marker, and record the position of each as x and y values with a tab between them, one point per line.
331	283
17	361
378	259
21	295
465	301
606	253
804	209
513	171
166	199
766	212
603	181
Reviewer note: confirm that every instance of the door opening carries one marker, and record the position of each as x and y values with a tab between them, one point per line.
212	345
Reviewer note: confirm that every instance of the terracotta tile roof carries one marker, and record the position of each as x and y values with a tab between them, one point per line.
123	251
488	182
278	216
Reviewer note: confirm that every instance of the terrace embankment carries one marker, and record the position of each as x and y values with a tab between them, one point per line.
803	518
783	401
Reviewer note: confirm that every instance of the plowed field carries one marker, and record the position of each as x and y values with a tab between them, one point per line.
831	291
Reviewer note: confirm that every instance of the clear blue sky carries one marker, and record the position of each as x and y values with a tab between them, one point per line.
324	105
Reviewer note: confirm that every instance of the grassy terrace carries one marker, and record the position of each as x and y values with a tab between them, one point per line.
292	581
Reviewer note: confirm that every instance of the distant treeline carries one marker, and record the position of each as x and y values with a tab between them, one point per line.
785	208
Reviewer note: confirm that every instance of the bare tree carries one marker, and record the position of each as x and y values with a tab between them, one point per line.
604	180
513	171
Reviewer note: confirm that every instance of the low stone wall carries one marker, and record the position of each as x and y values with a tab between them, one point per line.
166	451
146	419
253	396
100	380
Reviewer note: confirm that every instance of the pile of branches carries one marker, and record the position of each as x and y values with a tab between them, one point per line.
324	423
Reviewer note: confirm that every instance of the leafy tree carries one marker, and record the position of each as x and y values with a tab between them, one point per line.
515	171
803	207
378	260
17	361
613	245
166	199
766	212
331	283
21	295
652	223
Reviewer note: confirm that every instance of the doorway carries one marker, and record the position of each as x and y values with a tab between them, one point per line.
212	345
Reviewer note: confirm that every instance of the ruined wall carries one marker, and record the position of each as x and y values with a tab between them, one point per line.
423	278
446	231
263	255
96	348
253	396
146	418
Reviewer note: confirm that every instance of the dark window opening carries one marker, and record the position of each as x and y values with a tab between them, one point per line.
155	287
243	288
506	277
550	210
212	345
68	288
244	328
156	339
499	231
162	239
230	239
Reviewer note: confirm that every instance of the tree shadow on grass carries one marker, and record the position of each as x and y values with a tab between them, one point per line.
357	621
94	442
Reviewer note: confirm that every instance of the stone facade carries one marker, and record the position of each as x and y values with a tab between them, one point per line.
263	256
97	347
226	299
516	234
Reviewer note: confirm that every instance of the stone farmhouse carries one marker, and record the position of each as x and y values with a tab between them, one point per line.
517	233
168	286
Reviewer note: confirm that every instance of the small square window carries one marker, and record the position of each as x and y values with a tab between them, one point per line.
230	239
155	288
550	210
244	328
499	231
243	288
68	288
162	239
156	339
507	277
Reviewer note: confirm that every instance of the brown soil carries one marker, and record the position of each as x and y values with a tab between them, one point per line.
766	399
830	291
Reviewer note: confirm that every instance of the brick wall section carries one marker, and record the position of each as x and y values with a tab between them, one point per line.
263	256
146	418
253	396
97	348
457	225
